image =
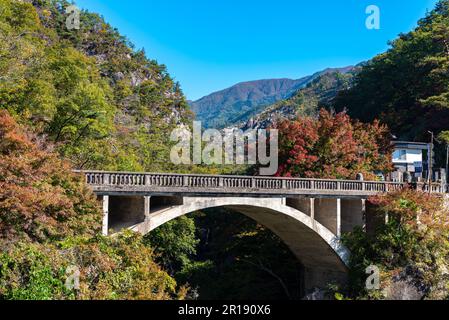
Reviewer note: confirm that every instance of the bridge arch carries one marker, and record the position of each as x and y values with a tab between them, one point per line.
321	252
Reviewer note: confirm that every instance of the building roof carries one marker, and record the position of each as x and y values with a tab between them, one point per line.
411	145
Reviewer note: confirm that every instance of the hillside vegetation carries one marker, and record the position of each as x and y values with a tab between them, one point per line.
411	250
407	87
102	103
49	231
240	102
75	99
307	101
88	99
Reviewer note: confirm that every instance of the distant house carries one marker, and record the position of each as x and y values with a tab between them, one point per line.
411	157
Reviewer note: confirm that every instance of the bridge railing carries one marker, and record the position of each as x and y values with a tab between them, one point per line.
434	187
193	181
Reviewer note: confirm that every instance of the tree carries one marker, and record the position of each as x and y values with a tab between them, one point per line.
332	146
175	242
40	198
50	222
103	104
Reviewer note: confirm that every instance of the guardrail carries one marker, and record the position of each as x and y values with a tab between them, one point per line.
232	183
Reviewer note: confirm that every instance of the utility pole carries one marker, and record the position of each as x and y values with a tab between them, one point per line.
430	174
447	163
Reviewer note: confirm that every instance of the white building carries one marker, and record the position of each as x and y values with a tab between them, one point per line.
411	157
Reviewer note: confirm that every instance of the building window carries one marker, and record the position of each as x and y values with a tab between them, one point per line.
400	155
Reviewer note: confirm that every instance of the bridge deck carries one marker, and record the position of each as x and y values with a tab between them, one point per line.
122	183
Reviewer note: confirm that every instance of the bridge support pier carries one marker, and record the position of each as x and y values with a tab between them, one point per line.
328	213
105	206
147	206
352	214
127	211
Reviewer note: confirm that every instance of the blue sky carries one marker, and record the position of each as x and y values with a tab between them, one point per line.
209	45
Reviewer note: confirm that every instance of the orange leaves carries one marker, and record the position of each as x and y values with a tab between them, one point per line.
40	198
414	208
11	137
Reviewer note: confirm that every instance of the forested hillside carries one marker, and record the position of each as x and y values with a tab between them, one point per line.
50	226
307	101
102	103
75	99
407	87
240	102
219	109
88	99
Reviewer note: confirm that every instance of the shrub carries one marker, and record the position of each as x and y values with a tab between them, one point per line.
411	249
109	268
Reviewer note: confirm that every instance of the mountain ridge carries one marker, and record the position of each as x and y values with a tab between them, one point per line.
319	93
224	107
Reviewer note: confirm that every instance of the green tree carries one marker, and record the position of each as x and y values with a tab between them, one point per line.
175	243
407	87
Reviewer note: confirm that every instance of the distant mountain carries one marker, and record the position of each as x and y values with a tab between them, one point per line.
318	93
241	101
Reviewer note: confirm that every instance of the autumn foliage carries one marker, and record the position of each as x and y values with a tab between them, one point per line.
40	199
50	222
332	146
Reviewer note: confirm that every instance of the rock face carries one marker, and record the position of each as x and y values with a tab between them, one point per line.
407	285
403	290
239	102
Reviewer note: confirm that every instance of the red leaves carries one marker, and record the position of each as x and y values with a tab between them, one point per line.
332	146
11	138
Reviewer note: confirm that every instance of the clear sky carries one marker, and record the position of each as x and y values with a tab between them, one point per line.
209	45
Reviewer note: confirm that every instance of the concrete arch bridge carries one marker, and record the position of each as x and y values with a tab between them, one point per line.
309	215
